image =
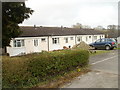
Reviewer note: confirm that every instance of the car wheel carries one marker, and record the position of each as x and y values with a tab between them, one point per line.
107	47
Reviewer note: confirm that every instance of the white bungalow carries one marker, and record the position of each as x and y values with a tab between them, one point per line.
37	39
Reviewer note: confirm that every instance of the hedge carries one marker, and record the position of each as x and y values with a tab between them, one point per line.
29	70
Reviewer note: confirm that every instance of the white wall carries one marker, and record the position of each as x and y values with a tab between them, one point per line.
29	46
61	43
98	37
48	44
118	40
43	45
13	51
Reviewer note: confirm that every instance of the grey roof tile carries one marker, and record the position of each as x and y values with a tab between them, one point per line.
55	31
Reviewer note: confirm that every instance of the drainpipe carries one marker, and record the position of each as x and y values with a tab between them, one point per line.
92	38
48	44
75	40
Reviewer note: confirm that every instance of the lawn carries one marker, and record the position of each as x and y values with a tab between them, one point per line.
100	52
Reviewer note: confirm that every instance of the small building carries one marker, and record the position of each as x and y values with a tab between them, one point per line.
37	39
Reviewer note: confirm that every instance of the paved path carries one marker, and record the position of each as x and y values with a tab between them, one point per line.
104	73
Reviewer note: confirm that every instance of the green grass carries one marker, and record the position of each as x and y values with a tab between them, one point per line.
100	52
97	51
118	48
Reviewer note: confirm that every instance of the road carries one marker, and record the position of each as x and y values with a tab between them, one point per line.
104	73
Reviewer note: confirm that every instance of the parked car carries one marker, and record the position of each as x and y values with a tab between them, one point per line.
105	43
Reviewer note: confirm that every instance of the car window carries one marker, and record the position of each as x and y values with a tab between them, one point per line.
98	40
110	40
102	40
113	40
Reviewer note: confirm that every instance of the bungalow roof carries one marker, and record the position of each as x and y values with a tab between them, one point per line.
55	31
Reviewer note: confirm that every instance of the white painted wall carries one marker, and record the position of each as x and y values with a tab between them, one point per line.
43	45
61	43
30	48
13	51
118	40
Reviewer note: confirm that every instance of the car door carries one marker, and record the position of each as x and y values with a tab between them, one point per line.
97	43
103	42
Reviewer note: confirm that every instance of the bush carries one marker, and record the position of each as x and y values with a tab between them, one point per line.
32	69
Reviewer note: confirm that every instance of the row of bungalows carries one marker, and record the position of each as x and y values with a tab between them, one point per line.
37	39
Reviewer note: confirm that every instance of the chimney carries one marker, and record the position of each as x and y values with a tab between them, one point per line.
61	27
35	27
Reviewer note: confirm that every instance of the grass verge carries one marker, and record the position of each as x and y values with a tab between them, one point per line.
100	52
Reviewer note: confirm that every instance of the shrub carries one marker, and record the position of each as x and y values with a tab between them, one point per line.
29	70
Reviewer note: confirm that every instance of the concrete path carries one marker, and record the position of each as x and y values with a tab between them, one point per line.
104	73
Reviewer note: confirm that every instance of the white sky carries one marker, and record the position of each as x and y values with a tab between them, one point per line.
69	12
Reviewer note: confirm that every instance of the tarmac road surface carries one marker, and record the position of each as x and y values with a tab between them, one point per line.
104	73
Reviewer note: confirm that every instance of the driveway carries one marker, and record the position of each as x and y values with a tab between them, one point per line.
104	73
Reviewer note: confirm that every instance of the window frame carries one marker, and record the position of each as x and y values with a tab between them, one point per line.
35	42
55	40
95	37
43	40
18	43
66	39
79	39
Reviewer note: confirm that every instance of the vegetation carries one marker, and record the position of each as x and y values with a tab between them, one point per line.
97	52
30	70
14	13
80	26
60	80
77	25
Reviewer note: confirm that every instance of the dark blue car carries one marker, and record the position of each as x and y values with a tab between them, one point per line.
105	43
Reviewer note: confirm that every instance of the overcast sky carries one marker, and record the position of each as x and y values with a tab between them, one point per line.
69	12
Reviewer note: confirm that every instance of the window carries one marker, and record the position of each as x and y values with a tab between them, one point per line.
100	37
43	39
71	38
18	43
95	37
55	40
79	39
89	36
66	40
36	42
